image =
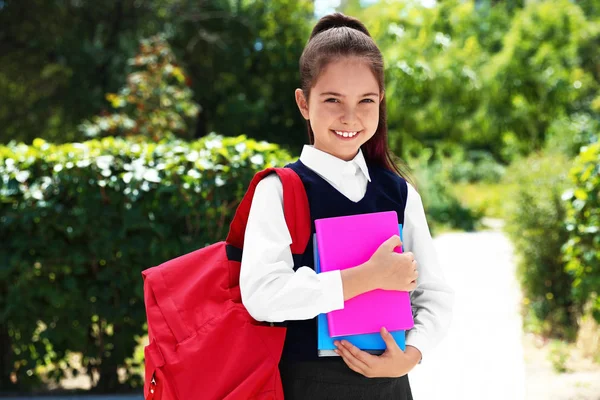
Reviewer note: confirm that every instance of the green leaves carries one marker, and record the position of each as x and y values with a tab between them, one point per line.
582	251
156	101
540	75
495	78
535	216
80	221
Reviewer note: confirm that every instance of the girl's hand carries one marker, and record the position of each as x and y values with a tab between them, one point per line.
391	270
392	363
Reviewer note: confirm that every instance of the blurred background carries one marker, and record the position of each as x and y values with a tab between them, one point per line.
129	130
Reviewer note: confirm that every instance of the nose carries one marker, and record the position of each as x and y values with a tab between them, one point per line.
349	116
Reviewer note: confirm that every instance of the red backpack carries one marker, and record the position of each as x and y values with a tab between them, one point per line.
203	343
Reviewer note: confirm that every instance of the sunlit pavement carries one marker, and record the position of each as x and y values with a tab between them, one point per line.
481	358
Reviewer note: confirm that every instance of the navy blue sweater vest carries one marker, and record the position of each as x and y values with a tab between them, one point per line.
385	192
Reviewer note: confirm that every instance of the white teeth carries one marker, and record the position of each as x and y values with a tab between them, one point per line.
346	134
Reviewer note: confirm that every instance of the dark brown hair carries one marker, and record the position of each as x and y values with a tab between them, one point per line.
336	36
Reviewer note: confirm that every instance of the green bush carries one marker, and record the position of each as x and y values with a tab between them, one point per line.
582	250
80	221
568	135
535	217
477	166
442	207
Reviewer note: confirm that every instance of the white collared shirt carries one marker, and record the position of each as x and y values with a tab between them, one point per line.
273	292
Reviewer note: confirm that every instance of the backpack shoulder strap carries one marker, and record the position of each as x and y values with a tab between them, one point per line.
295	208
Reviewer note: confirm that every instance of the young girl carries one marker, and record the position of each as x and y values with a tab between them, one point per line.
347	170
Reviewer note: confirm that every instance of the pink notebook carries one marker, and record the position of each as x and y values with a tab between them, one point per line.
345	242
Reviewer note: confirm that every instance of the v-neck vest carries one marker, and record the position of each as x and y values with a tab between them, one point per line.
385	192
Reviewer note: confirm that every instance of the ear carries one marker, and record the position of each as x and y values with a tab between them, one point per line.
302	103
381	96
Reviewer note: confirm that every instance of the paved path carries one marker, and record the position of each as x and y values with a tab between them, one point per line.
482	355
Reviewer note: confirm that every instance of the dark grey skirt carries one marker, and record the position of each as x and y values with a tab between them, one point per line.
332	379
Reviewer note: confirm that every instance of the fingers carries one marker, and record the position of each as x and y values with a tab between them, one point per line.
393	242
389	340
411	258
413	276
412	263
412	286
362	356
350	362
355	358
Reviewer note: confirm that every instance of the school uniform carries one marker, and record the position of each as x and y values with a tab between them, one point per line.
278	287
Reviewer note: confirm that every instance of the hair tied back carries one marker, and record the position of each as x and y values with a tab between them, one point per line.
338	20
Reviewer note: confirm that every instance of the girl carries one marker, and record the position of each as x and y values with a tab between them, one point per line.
347	170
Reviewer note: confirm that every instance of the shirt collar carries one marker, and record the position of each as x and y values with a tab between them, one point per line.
331	167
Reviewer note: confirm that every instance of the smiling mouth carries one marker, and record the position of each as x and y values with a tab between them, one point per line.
346	134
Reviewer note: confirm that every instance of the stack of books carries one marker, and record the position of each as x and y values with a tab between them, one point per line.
345	242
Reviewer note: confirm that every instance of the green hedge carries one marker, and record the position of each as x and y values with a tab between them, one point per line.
80	221
535	216
442	207
582	251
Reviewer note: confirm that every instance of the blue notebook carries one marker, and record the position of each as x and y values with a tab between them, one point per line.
370	342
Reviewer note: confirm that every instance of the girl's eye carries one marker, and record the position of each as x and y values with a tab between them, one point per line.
332	100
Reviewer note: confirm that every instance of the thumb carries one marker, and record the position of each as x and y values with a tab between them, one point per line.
393	242
390	342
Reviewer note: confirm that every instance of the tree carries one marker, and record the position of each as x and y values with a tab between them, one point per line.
58	59
57	62
243	60
484	75
156	101
434	88
542	73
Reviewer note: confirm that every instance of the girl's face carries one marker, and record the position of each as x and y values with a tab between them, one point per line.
343	107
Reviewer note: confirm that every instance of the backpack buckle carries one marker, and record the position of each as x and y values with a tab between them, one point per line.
152	387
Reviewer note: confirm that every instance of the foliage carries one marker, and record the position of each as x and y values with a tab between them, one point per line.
244	68
541	73
434	61
476	166
155	102
58	59
569	134
484	75
432	89
442	207
80	221
484	198
558	355
487	75
535	217
582	250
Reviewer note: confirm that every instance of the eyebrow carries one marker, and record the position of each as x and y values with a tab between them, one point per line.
341	95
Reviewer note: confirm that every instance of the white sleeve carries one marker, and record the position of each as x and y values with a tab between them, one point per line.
271	290
433	298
